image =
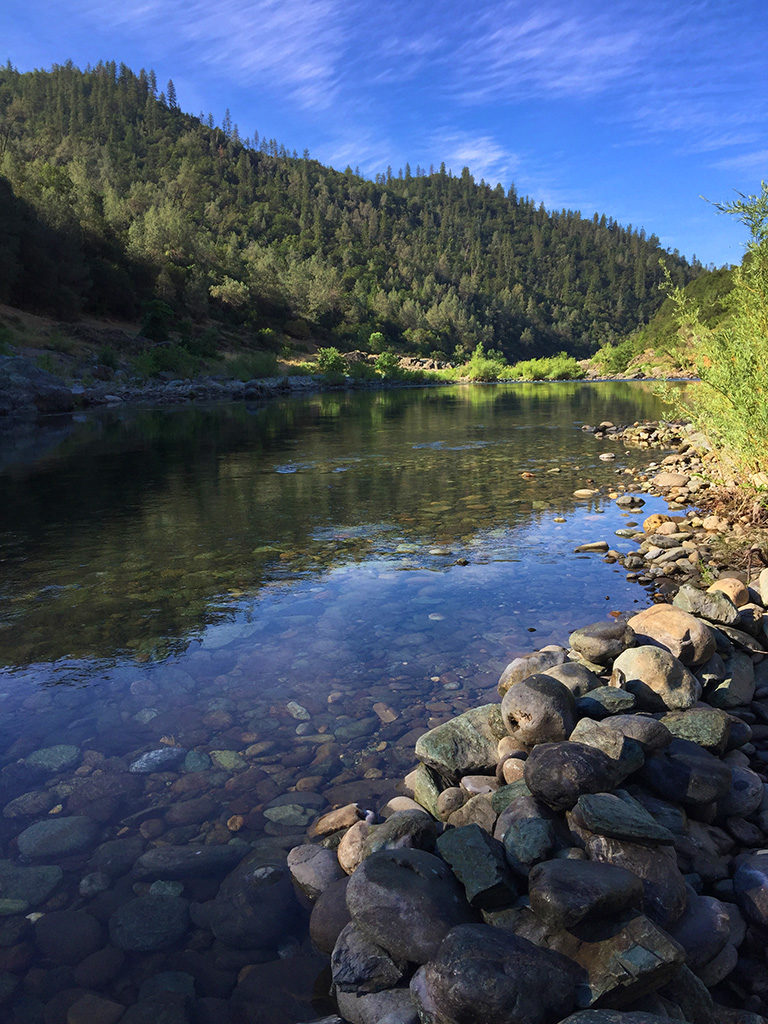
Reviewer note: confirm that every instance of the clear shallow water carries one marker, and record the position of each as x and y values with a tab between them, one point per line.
181	576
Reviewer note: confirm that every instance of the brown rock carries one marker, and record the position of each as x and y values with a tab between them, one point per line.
735	589
340	817
684	636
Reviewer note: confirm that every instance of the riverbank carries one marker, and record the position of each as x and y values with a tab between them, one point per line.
592	842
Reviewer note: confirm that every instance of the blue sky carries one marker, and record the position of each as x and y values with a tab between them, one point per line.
632	109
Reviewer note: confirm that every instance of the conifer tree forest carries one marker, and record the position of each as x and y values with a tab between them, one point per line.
111	198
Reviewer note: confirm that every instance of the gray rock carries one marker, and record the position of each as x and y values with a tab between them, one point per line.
564	892
614	1017
330	915
605	701
738	687
359	965
683	635
687	774
702	931
750	887
164	759
55	759
745	795
465	745
709	727
664	891
530	833
68	936
649	732
715	605
528	665
117	856
426	789
57	837
478	810
601	642
414	829
406	901
559	773
658	680
627	753
623	959
255	907
691	995
189	861
30	885
538	710
478	861
148	923
487	974
720	967
619	816
575	676
313	868
395	1004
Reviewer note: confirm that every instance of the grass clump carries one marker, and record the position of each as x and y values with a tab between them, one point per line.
251	366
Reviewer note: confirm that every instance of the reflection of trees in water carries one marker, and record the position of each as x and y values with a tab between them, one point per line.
142	527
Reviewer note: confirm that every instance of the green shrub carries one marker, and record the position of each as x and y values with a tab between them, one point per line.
388	365
6	340
376	342
173	359
331	362
359	370
108	357
559	367
251	366
157	317
731	358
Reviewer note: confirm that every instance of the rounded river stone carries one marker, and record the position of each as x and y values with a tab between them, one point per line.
488	974
563	892
406	901
57	837
558	773
538	710
149	923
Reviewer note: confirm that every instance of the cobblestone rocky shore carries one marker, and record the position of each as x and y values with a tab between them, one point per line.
589	848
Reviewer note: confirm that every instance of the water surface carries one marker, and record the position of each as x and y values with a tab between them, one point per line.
305	586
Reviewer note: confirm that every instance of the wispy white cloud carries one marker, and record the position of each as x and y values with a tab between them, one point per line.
753	161
485	156
295	45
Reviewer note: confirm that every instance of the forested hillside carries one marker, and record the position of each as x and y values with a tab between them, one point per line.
111	196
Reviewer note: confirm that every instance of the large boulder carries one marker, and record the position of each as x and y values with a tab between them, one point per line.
619	816
563	892
482	973
685	773
538	710
478	861
406	901
750	886
679	632
530	664
465	745
664	891
359	965
601	642
713	605
255	907
658	680
530	832
709	727
559	773
745	795
702	931
577	677
649	732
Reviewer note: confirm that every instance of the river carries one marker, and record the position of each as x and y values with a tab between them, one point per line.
286	595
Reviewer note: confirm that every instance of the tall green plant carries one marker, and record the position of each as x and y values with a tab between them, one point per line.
732	358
